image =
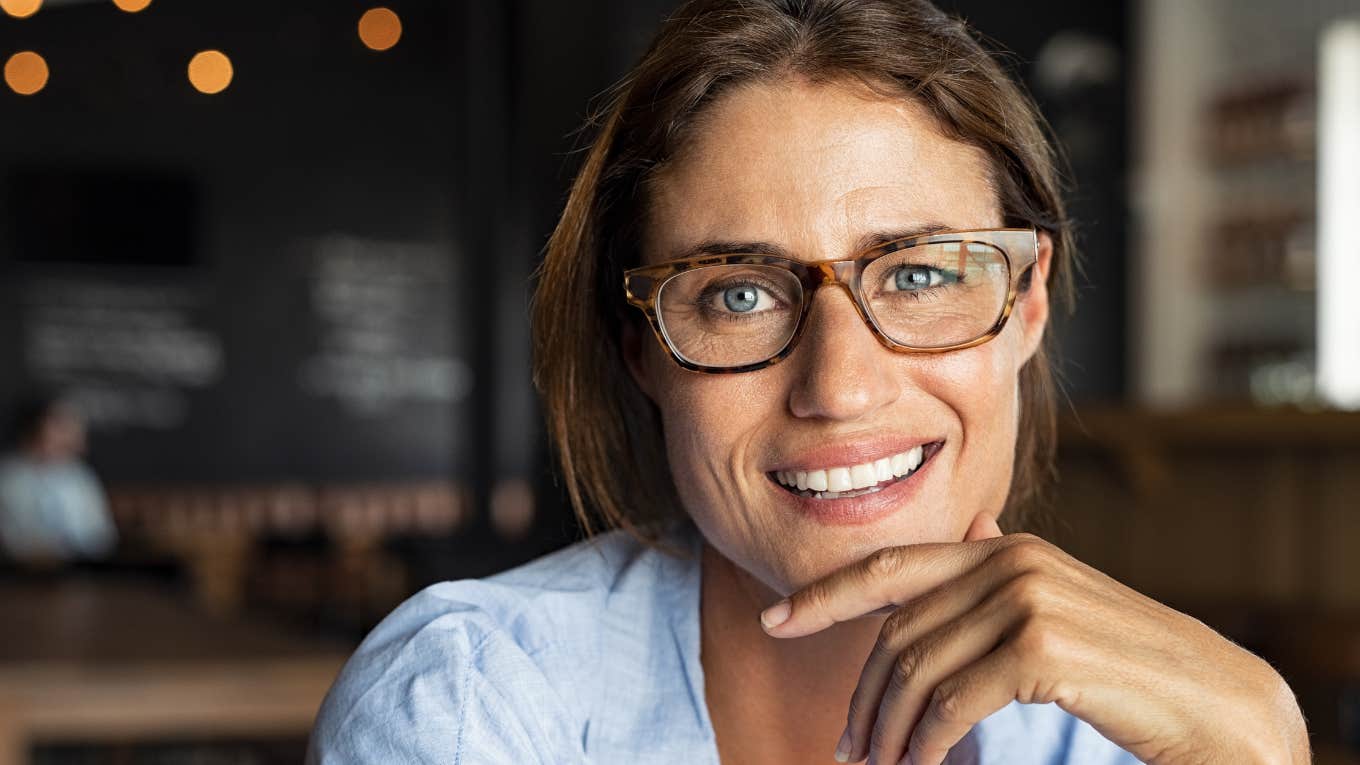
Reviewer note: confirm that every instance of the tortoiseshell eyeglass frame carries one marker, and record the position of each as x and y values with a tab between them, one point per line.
1019	247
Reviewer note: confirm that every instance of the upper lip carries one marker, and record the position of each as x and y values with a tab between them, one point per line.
848	453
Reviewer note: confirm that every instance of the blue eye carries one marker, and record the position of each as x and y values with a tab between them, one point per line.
741	299
919	278
916	278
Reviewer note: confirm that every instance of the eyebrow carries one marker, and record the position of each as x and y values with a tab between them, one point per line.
865	242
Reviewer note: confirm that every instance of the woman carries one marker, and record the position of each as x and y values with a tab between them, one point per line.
838	226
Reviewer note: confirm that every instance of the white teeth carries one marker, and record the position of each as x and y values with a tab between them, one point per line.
853	477
863	476
899	464
883	469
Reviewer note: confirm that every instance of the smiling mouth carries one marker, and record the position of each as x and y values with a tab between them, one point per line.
855	480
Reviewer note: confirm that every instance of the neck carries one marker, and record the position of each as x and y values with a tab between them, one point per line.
773	700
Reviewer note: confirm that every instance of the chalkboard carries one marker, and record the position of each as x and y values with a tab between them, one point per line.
341	367
259	285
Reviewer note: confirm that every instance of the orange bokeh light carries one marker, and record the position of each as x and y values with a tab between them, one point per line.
379	28
132	6
210	71
20	9
26	73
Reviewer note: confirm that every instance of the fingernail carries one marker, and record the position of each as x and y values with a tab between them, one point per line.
843	748
776	614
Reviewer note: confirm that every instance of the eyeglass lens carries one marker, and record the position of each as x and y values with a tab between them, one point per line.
928	296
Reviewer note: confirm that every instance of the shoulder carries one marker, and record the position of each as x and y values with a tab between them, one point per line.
15	477
79	471
474	670
10	467
1020	734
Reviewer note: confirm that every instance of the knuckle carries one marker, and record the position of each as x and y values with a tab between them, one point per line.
885	562
947	705
1039	641
905	668
897	627
1025	553
1032	591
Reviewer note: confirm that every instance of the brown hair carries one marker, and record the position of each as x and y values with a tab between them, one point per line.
606	432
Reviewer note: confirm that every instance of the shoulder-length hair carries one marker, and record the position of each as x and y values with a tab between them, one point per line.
607	434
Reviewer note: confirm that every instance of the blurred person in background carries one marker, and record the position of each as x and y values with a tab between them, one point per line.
52	508
806	485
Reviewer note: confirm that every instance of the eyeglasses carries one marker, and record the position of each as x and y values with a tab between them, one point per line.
741	312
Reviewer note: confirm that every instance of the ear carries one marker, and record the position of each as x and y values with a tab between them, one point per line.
1032	305
633	346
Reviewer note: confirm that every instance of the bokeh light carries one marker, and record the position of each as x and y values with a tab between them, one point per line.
379	28
26	73
20	9
132	6
210	71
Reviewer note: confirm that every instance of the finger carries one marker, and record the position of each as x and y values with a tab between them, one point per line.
889	577
900	634
921	667
984	526
963	700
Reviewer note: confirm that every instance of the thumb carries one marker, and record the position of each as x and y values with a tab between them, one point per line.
983	526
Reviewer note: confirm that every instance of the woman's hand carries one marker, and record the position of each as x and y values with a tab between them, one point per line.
995	618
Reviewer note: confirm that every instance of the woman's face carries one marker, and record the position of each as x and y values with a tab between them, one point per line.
813	170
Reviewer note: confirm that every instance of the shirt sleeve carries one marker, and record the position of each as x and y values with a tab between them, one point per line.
1037	734
440	682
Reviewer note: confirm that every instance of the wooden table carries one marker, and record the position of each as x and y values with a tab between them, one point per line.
121	660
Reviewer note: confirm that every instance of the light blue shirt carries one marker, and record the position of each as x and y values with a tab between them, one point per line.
588	655
52	510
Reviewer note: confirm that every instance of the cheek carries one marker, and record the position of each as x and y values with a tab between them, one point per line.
981	380
980	385
709	420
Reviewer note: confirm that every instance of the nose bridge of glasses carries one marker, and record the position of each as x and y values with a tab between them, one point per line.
839	272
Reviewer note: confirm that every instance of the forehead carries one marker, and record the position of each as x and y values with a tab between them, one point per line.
813	168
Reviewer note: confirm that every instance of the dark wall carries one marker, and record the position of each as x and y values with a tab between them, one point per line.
326	180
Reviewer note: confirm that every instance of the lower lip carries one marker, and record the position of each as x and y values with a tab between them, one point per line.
864	509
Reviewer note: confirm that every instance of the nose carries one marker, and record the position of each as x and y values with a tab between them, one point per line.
843	371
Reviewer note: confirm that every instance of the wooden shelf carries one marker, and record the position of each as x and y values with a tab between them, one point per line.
1231	428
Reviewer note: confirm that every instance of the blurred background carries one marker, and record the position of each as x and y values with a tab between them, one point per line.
264	352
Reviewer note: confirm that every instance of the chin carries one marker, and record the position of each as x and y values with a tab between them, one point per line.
789	560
